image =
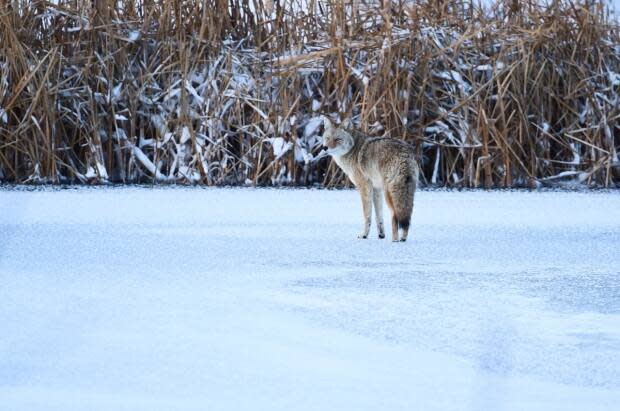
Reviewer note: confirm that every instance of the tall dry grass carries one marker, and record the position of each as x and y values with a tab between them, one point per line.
231	92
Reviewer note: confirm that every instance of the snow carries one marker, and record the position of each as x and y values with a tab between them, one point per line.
312	127
116	91
259	299
146	162
186	135
92	172
316	105
614	6
280	146
134	36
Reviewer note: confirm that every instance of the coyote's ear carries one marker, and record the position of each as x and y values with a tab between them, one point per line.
327	123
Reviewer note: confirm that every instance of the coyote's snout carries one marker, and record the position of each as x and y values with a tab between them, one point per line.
376	165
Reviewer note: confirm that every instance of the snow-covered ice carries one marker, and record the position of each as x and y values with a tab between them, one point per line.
260	299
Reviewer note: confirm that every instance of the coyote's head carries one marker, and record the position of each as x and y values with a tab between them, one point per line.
336	141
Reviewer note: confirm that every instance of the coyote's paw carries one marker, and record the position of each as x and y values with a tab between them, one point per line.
381	235
362	236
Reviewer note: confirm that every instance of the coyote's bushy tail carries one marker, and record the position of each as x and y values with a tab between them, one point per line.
404	207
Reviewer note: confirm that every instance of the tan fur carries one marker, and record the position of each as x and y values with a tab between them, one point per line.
377	165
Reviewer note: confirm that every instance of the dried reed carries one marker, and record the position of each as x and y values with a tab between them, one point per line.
231	92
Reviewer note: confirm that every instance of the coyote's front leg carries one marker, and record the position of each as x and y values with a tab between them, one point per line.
365	189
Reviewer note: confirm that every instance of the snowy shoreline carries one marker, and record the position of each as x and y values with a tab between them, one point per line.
158	186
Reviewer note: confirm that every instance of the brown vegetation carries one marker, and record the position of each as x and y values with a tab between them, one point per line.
230	92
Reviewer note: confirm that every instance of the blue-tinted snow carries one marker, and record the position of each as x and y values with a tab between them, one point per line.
243	299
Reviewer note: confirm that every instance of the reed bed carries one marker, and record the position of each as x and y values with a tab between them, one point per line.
232	92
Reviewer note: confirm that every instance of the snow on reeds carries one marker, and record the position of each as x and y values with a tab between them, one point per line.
232	92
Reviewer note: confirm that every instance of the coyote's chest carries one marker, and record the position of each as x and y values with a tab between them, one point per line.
356	171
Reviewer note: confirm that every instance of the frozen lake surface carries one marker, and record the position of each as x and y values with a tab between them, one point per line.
257	299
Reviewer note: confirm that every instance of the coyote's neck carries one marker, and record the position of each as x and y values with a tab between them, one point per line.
347	161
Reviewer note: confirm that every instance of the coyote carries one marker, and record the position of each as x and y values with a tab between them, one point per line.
374	165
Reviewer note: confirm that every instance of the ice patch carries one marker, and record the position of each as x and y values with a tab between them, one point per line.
260	299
